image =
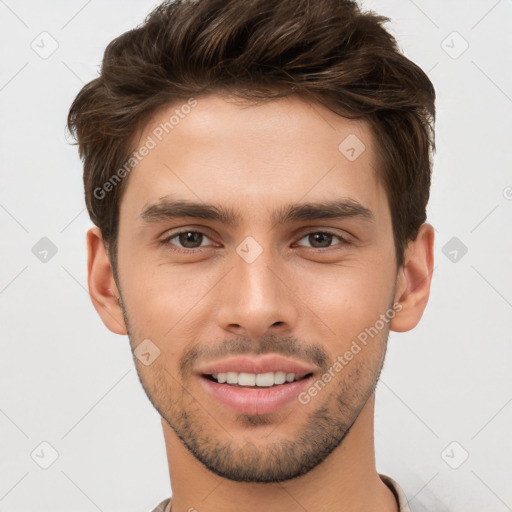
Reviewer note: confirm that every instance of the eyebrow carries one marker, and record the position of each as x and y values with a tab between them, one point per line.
168	209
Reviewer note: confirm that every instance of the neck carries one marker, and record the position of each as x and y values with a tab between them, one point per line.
346	480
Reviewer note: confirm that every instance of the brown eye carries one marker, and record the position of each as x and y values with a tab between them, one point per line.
190	239
321	239
186	240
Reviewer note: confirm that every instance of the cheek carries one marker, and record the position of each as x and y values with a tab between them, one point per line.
161	298
348	299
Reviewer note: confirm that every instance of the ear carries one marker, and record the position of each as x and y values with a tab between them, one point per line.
413	280
102	286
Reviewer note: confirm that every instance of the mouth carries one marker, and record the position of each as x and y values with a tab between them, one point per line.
255	381
249	393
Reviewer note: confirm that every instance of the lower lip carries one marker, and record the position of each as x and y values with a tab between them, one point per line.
247	400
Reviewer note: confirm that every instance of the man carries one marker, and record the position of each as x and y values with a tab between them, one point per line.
258	173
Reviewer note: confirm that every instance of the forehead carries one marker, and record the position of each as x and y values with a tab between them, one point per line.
253	156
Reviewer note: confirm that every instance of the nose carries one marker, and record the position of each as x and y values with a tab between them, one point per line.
257	297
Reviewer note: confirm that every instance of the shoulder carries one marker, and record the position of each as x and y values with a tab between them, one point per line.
164	506
401	498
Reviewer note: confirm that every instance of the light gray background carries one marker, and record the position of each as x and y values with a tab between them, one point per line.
68	381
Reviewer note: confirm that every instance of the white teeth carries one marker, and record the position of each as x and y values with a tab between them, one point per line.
251	379
280	377
247	379
232	378
265	379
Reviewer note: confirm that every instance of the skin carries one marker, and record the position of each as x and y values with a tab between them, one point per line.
304	297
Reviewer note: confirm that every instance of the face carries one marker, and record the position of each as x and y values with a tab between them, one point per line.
288	253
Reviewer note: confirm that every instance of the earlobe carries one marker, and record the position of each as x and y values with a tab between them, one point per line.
413	280
102	287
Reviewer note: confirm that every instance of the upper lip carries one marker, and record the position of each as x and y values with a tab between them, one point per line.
261	364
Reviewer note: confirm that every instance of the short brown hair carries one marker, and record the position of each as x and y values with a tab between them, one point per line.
328	50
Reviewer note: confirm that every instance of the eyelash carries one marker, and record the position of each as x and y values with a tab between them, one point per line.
166	241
